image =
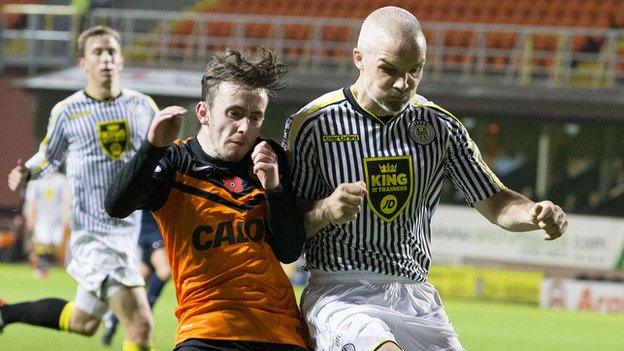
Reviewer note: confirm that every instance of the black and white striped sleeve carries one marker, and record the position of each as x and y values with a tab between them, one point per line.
465	167
307	180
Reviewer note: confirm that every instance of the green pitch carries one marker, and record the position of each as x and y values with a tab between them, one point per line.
481	325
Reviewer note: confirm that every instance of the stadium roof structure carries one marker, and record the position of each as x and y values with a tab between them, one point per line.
485	97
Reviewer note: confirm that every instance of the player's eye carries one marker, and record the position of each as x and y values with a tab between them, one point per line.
235	114
388	70
256	120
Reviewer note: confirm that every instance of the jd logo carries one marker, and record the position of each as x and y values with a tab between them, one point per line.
390	185
114	138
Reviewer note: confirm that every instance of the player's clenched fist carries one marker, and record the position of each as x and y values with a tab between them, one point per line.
265	165
344	204
550	218
166	126
18	176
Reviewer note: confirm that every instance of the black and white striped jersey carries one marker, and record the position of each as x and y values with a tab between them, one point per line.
403	161
95	138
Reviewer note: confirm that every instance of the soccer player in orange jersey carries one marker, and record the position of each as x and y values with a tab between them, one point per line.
224	205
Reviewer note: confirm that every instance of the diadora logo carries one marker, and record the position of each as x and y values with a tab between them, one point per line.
230	232
340	138
390	185
113	137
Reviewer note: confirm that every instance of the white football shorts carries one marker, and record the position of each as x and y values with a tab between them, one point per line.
359	311
92	262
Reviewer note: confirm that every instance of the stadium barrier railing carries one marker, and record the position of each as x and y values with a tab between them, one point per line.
513	54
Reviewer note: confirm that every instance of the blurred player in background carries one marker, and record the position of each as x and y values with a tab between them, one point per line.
224	204
368	164
46	211
154	268
95	130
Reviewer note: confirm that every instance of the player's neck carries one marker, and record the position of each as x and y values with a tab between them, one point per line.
365	102
206	145
103	91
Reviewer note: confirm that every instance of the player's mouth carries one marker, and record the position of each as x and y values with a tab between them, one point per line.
238	142
400	98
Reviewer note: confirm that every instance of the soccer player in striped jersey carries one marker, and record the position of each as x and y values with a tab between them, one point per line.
96	130
225	208
368	162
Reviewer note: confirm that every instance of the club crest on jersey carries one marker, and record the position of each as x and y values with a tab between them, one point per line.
421	132
114	138
389	181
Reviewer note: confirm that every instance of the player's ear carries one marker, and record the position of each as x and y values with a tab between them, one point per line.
81	62
357	59
202	112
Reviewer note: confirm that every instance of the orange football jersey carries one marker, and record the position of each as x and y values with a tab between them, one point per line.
229	284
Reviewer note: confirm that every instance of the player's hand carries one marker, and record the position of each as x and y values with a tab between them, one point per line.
550	218
344	204
18	176
265	165
166	126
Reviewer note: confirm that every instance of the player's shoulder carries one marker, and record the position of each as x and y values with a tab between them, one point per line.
75	99
321	103
184	148
134	95
181	145
421	102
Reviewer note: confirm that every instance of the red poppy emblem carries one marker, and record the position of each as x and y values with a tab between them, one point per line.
234	184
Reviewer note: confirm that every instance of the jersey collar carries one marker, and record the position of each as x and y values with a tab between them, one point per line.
364	112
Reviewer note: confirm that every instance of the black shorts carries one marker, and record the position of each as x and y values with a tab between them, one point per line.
150	238
227	345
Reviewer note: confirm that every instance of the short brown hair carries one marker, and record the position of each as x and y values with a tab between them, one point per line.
93	32
260	70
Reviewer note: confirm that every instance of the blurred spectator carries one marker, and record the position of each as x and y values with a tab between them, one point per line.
47	219
612	203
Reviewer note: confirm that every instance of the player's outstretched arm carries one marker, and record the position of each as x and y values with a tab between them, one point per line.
342	206
514	212
18	177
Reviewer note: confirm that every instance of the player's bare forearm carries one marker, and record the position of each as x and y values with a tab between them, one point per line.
508	210
315	216
342	206
514	212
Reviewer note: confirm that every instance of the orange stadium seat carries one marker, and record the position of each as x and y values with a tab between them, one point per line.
296	32
16	20
589	13
258	30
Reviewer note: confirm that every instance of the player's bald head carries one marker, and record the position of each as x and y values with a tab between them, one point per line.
390	25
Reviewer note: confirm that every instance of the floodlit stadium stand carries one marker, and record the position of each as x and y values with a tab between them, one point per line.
559	59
